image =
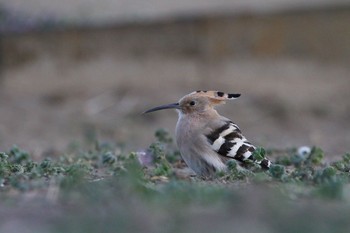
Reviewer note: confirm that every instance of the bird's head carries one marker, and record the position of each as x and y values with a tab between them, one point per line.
197	102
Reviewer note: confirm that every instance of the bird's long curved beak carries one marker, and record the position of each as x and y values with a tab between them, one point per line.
166	106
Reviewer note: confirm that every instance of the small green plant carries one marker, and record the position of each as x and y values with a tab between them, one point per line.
259	154
162	166
108	158
316	156
277	171
17	155
344	164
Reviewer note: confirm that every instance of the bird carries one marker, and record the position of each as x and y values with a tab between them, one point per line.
207	140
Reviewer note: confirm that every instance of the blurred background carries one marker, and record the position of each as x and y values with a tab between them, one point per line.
69	68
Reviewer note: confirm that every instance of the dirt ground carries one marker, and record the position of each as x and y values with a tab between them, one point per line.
48	103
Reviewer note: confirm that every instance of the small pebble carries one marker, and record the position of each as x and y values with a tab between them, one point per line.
304	151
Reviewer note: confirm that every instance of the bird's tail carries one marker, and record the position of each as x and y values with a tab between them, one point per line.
265	164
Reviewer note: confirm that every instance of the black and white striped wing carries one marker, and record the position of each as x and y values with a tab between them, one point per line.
228	141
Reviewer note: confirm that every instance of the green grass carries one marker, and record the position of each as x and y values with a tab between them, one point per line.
100	188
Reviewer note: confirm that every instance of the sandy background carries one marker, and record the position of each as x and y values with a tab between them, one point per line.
46	105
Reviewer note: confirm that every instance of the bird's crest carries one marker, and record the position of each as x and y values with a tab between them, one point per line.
216	97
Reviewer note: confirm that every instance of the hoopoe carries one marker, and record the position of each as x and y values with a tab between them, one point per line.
206	140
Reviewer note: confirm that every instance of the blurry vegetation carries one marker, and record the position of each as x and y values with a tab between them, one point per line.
103	189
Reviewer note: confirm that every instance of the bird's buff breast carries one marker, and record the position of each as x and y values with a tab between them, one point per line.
194	149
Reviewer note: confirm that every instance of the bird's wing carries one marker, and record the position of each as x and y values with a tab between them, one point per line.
227	140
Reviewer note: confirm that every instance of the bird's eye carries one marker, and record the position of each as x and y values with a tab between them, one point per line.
192	103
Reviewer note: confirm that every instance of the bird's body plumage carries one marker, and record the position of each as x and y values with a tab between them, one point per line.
194	146
206	140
